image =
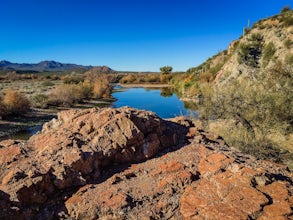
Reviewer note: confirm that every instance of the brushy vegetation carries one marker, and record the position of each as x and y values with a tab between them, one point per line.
141	78
268	53
13	103
255	109
75	91
287	16
249	53
288	43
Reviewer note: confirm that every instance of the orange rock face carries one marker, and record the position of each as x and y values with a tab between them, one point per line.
130	164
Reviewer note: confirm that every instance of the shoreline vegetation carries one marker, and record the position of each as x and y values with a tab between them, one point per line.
144	85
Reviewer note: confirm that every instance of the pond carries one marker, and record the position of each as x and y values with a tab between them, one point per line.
159	100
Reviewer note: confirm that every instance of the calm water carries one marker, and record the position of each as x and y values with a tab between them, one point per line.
161	101
165	105
23	134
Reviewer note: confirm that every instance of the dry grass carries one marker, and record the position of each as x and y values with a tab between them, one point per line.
14	102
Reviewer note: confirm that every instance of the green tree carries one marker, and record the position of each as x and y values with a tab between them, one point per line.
166	69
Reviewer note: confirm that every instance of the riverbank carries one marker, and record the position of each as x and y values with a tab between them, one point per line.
36	117
141	85
11	127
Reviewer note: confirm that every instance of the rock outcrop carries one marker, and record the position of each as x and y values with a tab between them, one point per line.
130	164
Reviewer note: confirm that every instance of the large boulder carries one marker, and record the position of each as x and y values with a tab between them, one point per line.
204	180
73	150
130	164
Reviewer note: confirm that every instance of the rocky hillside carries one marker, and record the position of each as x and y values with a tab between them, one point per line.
130	164
266	43
269	41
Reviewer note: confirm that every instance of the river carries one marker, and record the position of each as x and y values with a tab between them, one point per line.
159	100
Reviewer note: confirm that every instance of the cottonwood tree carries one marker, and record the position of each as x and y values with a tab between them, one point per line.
166	69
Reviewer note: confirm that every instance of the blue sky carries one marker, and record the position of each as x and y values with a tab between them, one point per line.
140	35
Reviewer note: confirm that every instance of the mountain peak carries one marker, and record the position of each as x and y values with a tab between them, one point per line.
46	65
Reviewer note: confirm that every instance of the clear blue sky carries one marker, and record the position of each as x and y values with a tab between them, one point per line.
131	35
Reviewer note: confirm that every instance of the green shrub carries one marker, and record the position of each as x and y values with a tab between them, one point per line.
257	109
287	18
85	89
289	59
288	43
40	101
166	69
268	53
47	83
73	79
250	52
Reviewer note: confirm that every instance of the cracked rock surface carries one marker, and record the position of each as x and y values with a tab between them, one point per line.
130	164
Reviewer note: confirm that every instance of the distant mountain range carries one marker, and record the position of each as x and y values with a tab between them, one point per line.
49	66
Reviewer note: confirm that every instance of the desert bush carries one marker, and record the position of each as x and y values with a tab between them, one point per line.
287	18
259	107
250	52
289	59
288	43
15	103
285	9
73	79
206	77
268	52
130	78
47	83
165	78
85	89
152	78
65	95
40	101
102	88
2	107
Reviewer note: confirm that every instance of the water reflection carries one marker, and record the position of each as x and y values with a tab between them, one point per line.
162	101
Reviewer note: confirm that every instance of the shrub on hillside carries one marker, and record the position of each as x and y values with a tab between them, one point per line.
285	9
288	43
287	18
258	107
250	52
268	52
